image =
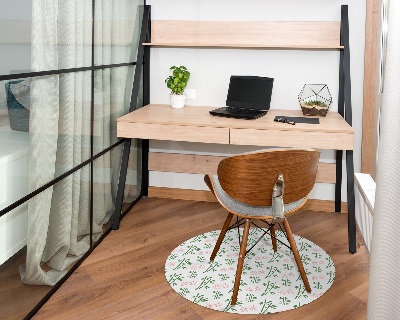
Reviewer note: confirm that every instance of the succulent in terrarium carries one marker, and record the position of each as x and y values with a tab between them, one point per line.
315	99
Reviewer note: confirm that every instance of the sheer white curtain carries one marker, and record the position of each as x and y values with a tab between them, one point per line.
384	286
58	226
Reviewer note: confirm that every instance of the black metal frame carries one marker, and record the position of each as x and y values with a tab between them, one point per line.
345	110
142	68
240	222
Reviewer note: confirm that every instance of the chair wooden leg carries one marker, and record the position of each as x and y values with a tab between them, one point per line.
242	254
221	235
273	238
296	254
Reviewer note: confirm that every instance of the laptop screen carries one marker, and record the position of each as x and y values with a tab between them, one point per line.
250	92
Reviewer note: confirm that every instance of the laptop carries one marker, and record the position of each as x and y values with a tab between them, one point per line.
248	97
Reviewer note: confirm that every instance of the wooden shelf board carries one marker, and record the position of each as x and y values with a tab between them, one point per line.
248	46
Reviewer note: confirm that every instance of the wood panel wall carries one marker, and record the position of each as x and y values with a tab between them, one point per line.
368	151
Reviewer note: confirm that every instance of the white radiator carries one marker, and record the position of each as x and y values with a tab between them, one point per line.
365	199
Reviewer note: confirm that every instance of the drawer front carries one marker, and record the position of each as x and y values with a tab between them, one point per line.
173	132
305	139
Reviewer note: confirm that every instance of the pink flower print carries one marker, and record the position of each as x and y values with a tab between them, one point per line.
189	283
249	289
209	305
171	264
290	291
223	270
244	309
193	267
257	288
179	249
252	308
218	305
201	266
286	260
288	275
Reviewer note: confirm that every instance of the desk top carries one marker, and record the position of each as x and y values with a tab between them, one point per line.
196	116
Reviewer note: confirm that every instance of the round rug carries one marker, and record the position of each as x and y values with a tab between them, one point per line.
270	281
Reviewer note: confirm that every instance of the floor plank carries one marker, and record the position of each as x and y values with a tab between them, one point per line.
124	277
16	298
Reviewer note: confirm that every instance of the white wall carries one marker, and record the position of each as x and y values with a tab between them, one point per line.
15	55
211	68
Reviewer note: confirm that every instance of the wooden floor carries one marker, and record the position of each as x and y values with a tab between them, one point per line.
16	298
124	277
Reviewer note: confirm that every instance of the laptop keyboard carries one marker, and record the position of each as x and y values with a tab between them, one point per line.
240	113
241	110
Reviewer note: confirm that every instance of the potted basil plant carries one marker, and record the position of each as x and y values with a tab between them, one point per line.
177	83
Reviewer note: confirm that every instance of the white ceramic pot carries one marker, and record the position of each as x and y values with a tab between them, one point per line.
177	100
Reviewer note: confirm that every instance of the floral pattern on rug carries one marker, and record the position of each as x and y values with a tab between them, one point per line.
270	281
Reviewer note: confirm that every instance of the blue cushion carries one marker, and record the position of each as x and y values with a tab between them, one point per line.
19	116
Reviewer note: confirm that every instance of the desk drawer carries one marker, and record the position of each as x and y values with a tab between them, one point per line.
173	132
304	139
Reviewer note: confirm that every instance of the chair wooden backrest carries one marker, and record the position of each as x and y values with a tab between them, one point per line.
249	178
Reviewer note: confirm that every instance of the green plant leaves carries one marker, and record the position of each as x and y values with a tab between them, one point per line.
179	79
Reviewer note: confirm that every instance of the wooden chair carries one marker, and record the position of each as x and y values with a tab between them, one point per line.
244	187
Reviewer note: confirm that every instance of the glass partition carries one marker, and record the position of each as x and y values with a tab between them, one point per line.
52	128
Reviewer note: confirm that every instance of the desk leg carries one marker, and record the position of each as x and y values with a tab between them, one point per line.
145	167
338	183
351	202
121	184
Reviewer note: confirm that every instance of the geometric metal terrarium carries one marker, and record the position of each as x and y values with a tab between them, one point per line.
315	99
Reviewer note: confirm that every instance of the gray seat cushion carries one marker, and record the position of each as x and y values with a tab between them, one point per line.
245	209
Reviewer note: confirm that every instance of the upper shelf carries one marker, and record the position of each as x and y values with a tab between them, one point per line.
247	34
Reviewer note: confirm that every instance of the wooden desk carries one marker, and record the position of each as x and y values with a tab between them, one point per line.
195	124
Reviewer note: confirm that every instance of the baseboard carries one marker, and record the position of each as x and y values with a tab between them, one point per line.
202	195
7	255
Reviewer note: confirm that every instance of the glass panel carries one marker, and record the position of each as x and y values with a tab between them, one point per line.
105	177
117	30
113	89
60	219
105	183
44	131
15	36
40	37
134	174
